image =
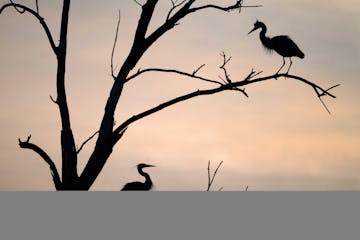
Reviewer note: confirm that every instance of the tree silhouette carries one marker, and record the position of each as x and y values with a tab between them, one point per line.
110	133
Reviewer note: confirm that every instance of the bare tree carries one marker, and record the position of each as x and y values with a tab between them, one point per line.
110	133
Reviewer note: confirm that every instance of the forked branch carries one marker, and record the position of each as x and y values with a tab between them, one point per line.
175	5
27	145
226	79
226	60
181	10
324	93
22	9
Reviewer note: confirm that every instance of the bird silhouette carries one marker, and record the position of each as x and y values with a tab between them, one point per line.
283	45
140	186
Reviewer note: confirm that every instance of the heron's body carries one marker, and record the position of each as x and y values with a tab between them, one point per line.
140	186
283	45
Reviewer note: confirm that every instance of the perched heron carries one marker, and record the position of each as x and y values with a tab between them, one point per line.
283	45
140	186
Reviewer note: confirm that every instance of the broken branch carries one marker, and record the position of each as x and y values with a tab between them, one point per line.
27	145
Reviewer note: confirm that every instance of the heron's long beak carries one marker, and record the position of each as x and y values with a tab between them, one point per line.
252	30
150	166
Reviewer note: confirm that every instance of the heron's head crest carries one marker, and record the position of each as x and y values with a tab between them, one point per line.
257	25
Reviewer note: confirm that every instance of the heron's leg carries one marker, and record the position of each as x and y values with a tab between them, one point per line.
281	66
289	66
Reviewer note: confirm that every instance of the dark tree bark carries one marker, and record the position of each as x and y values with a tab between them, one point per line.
108	135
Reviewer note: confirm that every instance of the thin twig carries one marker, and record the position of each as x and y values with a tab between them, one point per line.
192	75
37	7
252	74
18	9
227	79
114	46
209	177
327	90
198	69
138	3
323	94
210	181
174	6
223	66
323	103
86	141
91	137
237	5
53	100
243	91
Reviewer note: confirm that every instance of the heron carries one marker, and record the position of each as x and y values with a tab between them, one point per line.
283	45
140	186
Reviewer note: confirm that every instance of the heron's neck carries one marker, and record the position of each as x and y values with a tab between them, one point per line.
146	176
264	39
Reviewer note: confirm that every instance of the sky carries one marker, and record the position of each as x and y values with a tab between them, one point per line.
280	138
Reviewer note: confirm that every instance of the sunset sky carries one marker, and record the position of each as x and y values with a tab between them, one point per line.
280	138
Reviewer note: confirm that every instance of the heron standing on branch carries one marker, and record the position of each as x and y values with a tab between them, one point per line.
283	45
140	186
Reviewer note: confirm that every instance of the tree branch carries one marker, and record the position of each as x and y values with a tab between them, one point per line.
144	21
237	5
229	86
191	75
114	46
53	100
138	3
21	11
227	79
174	6
36	15
27	145
87	140
198	69
185	9
222	67
68	147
